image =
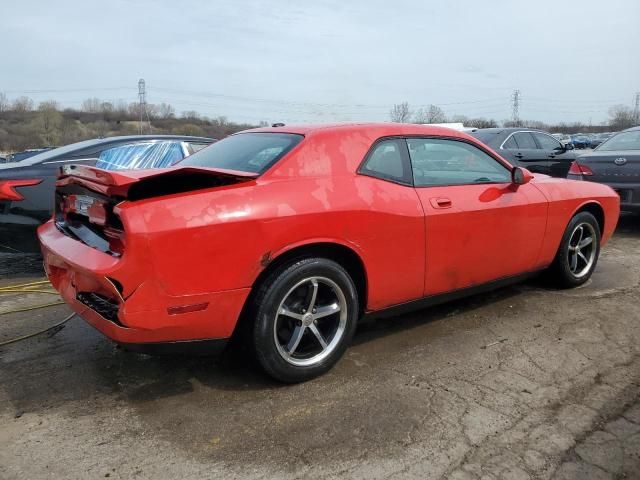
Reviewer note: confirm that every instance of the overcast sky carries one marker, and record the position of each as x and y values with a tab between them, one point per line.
328	60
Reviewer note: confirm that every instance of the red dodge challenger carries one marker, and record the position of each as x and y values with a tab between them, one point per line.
292	234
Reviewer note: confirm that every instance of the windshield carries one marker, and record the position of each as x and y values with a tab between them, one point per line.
622	141
245	152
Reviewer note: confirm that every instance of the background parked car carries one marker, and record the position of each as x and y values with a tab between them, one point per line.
26	188
19	156
598	138
616	162
535	150
563	138
580	141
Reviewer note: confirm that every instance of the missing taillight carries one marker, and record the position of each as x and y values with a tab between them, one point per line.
8	188
115	238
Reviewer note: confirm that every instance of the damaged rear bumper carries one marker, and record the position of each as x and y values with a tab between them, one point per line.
122	299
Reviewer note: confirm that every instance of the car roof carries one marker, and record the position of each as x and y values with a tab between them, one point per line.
380	129
632	129
499	130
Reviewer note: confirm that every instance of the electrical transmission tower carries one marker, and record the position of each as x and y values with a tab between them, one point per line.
515	107
142	97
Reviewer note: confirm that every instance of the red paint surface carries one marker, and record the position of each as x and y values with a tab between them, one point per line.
206	246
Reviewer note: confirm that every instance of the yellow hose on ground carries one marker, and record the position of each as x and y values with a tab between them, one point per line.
39	282
24	337
28	288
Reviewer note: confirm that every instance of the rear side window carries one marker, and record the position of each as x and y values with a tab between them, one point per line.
387	161
246	152
525	141
196	147
510	144
439	162
547	142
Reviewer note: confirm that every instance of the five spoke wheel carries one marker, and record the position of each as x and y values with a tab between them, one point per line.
310	321
581	251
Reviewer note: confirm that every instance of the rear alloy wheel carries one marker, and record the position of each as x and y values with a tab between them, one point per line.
306	316
578	253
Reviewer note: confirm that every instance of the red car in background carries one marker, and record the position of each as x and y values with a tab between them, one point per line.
297	232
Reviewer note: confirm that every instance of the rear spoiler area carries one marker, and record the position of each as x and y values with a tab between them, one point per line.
135	185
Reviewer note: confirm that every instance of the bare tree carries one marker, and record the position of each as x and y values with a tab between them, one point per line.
106	107
621	117
482	123
121	108
91	105
191	115
22	104
48	123
4	102
432	114
166	111
400	113
48	105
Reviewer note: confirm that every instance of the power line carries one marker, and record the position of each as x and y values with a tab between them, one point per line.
65	90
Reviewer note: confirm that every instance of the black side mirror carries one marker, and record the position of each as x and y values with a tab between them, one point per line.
520	176
568	146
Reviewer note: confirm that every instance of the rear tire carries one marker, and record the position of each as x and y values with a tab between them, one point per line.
578	253
305	317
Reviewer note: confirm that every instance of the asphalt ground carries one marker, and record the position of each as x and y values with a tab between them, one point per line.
525	382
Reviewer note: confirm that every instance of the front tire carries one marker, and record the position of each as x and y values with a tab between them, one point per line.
305	317
578	253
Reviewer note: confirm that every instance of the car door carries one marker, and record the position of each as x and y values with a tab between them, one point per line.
559	158
393	219
520	148
479	226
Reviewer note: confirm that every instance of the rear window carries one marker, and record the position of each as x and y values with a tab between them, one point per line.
485	137
622	141
141	155
245	152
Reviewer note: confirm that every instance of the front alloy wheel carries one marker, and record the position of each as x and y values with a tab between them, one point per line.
578	254
582	249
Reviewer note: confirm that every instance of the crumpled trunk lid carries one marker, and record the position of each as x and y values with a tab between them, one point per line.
86	198
139	184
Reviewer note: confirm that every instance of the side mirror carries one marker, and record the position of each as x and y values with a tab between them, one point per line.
568	146
520	176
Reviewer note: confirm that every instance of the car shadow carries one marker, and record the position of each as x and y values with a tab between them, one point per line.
78	362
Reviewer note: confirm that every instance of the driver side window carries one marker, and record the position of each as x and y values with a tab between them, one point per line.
439	162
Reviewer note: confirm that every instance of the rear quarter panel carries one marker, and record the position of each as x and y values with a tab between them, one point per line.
222	239
566	197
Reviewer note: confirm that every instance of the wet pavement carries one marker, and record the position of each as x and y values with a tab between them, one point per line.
525	382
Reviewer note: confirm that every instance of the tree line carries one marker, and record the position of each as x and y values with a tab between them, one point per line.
620	117
23	124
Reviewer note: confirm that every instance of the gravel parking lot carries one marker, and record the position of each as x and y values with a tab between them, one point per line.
526	382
